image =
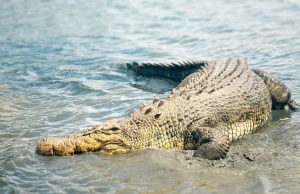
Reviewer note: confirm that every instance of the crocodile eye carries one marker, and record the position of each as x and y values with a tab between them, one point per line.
114	129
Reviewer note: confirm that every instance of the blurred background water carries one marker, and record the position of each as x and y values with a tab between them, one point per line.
59	74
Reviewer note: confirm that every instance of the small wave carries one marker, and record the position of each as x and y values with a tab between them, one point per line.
4	86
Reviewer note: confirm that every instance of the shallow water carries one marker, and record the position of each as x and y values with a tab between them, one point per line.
59	74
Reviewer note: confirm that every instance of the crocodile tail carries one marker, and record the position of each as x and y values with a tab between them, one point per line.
176	71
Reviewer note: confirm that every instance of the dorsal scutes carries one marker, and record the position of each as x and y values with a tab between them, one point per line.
213	76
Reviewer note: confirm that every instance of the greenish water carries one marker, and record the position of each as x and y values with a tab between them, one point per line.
59	74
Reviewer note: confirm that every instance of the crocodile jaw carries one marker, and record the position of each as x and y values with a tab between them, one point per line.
105	138
66	146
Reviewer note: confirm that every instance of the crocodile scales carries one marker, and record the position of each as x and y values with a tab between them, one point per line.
216	103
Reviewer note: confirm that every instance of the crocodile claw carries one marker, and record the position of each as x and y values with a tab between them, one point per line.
293	105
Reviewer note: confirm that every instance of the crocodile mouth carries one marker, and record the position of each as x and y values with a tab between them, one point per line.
114	148
66	146
105	138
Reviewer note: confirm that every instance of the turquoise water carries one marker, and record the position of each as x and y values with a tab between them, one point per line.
60	73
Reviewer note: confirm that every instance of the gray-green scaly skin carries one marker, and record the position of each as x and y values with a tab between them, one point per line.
221	102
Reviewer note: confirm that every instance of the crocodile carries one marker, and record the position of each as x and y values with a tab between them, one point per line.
217	102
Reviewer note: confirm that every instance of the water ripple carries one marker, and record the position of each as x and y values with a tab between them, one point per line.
60	73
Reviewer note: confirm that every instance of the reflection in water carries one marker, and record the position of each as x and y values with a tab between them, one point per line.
59	74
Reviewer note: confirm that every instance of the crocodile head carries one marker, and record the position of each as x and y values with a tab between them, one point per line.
106	137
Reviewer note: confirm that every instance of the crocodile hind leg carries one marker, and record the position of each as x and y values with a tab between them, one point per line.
281	95
210	143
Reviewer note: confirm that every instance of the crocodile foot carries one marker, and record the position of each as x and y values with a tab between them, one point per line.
211	152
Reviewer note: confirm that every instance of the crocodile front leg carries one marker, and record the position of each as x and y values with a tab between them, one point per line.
210	143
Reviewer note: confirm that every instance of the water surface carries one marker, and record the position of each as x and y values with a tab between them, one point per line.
59	74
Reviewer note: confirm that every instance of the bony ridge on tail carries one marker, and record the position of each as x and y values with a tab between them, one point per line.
216	103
